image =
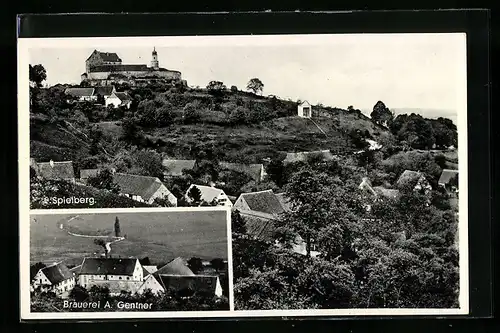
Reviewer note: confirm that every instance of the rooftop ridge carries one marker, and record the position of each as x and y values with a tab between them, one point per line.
131	174
256	192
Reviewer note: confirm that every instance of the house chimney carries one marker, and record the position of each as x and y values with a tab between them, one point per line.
51	163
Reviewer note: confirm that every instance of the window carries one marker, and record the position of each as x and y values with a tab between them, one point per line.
128	277
120	278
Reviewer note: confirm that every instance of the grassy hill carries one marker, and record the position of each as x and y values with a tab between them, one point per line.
159	236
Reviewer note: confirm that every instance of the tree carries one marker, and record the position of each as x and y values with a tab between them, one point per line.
195	195
216	88
234	89
104	180
147	162
381	114
238	225
37	75
255	85
117	227
130	130
218	264
190	113
195	264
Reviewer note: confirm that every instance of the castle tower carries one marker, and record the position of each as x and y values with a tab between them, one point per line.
154	61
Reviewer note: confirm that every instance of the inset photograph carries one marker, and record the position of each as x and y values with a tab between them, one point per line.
129	261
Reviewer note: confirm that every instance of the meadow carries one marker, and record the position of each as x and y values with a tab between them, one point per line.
161	236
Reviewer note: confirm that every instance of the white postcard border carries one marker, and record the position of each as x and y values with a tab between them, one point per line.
24	44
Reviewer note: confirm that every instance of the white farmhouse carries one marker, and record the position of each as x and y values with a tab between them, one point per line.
108	271
304	110
56	278
143	188
209	194
119	99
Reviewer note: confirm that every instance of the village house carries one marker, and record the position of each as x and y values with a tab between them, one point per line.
371	194
177	266
255	171
85	174
325	155
149	269
174	168
449	180
191	285
100	271
81	94
104	92
304	110
210	194
118	99
54	170
260	211
414	180
143	188
56	278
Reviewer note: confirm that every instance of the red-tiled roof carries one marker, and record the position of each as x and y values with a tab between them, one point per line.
108	266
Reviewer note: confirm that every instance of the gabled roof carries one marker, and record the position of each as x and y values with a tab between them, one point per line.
175	167
302	156
150	268
196	283
107	56
79	92
409	178
447	175
175	267
259	226
252	170
87	173
104	90
263	201
208	193
58	170
143	186
57	273
305	103
108	266
123	96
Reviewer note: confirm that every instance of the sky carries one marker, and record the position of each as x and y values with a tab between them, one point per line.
422	72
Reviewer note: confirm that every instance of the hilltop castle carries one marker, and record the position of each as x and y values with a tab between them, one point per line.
103	68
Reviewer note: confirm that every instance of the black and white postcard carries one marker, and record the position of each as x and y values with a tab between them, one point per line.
337	157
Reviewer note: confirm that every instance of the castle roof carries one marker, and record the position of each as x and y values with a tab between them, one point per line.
108	266
175	167
57	273
107	56
119	68
143	186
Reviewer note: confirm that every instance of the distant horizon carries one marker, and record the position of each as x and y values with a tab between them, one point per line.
406	71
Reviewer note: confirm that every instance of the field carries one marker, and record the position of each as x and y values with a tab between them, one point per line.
161	236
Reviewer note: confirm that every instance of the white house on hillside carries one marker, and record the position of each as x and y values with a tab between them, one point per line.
56	278
304	110
143	188
209	194
119	99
